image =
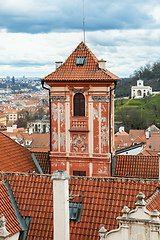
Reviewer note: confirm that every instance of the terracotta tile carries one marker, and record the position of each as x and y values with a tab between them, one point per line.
70	72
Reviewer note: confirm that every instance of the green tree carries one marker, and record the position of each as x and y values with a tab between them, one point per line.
133	118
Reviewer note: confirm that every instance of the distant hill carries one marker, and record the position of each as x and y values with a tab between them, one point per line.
138	113
150	75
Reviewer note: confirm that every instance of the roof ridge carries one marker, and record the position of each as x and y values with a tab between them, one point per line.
95	59
88	71
25	174
118	178
14	141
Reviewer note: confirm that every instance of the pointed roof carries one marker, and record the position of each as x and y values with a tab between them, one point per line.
90	71
15	157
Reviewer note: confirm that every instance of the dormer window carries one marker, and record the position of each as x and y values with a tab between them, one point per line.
80	61
79	105
75	207
75	211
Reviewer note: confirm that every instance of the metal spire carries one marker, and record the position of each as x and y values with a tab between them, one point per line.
83	22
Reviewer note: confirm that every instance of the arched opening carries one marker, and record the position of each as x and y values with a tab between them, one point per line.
79	105
139	93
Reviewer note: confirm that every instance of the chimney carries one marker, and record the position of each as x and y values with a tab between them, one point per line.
60	205
58	64
102	64
30	131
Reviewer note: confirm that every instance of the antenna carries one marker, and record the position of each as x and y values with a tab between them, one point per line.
83	22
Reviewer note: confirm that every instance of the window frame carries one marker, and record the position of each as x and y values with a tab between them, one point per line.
80	101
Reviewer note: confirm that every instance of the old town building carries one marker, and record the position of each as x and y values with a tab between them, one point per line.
82	114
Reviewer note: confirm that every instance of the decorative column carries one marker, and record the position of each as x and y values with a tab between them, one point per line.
124	223
155	222
4	234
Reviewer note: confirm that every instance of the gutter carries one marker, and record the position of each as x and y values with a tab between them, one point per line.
110	106
48	89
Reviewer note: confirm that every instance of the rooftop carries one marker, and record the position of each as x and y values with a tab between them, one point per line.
14	157
137	166
103	200
81	65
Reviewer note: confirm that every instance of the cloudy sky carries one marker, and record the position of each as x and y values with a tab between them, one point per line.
36	33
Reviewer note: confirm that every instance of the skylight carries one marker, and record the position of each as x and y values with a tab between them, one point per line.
75	211
76	208
80	61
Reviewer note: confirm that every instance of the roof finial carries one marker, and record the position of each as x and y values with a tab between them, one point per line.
83	22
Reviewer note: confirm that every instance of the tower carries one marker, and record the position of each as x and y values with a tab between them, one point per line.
82	114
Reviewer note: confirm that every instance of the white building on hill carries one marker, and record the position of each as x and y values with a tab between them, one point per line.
140	90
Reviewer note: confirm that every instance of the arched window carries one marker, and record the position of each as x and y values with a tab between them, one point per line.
79	105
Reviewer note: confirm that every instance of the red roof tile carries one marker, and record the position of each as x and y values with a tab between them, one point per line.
14	157
137	166
42	158
103	200
90	72
153	202
6	208
137	133
149	153
153	142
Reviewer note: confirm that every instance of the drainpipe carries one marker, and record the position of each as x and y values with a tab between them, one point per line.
48	89
159	164
110	107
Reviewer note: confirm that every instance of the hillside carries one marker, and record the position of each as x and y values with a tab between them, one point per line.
150	75
138	113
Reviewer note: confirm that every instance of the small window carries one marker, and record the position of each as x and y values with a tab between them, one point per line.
80	61
79	173
76	207
73	211
79	105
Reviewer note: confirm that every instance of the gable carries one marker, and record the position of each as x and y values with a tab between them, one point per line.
81	65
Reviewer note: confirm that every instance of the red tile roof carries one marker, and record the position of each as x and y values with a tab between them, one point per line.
40	139
153	128
153	202
126	140
153	143
149	153
137	166
14	157
103	200
42	158
7	209
90	72
137	133
33	195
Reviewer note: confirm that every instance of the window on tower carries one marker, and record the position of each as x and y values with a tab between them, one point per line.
80	61
79	105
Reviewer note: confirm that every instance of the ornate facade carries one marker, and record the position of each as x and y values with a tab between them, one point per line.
82	115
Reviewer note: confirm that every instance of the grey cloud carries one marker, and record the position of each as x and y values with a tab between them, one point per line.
24	63
63	15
